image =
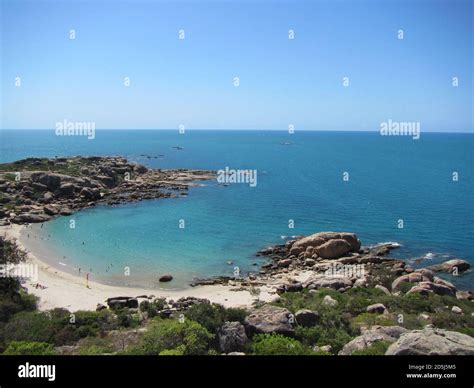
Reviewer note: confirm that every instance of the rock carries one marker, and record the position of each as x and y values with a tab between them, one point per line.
333	249
424	317
361	282
414	277
39	186
432	341
293	287
140	169
465	295
324	348
284	263
425	288
322	281
121	302
456	310
316	240
307	318
186	302
90	194
106	180
67	190
49	210
48	196
309	262
377	308
425	273
50	180
329	301
451	265
65	211
232	337
269	319
100	307
368	337
166	278
383	289
30	218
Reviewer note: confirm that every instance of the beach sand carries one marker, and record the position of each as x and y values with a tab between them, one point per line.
69	291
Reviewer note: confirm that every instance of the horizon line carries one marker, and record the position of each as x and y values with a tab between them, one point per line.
232	129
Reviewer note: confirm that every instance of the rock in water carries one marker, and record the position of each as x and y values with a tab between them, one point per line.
432	341
451	265
269	319
166	278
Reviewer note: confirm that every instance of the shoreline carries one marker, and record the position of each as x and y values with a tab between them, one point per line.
65	290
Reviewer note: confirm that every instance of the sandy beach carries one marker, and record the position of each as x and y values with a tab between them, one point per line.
65	290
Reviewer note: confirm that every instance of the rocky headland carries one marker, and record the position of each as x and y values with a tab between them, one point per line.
37	189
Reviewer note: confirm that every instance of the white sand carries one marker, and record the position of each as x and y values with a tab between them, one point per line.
70	291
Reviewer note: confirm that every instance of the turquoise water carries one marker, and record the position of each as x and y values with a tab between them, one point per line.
390	178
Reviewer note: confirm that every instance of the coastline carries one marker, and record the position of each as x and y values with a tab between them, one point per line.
64	290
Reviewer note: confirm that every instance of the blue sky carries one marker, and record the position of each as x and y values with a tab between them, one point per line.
282	81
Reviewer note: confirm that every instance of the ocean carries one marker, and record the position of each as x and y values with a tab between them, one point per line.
307	182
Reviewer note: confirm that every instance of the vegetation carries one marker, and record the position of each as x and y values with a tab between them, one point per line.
195	331
276	344
180	337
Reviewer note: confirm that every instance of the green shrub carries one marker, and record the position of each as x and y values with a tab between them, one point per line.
276	345
25	348
213	316
170	334
92	346
179	351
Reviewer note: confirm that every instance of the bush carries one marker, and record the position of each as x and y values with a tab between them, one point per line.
92	346
189	336
276	344
179	351
25	348
31	326
212	317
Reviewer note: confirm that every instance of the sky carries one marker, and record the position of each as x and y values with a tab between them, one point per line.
282	81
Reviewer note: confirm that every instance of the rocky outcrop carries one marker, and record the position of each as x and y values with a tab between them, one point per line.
432	341
318	239
451	265
78	182
232	337
269	319
369	337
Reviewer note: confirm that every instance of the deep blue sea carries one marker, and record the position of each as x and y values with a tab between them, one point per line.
390	179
